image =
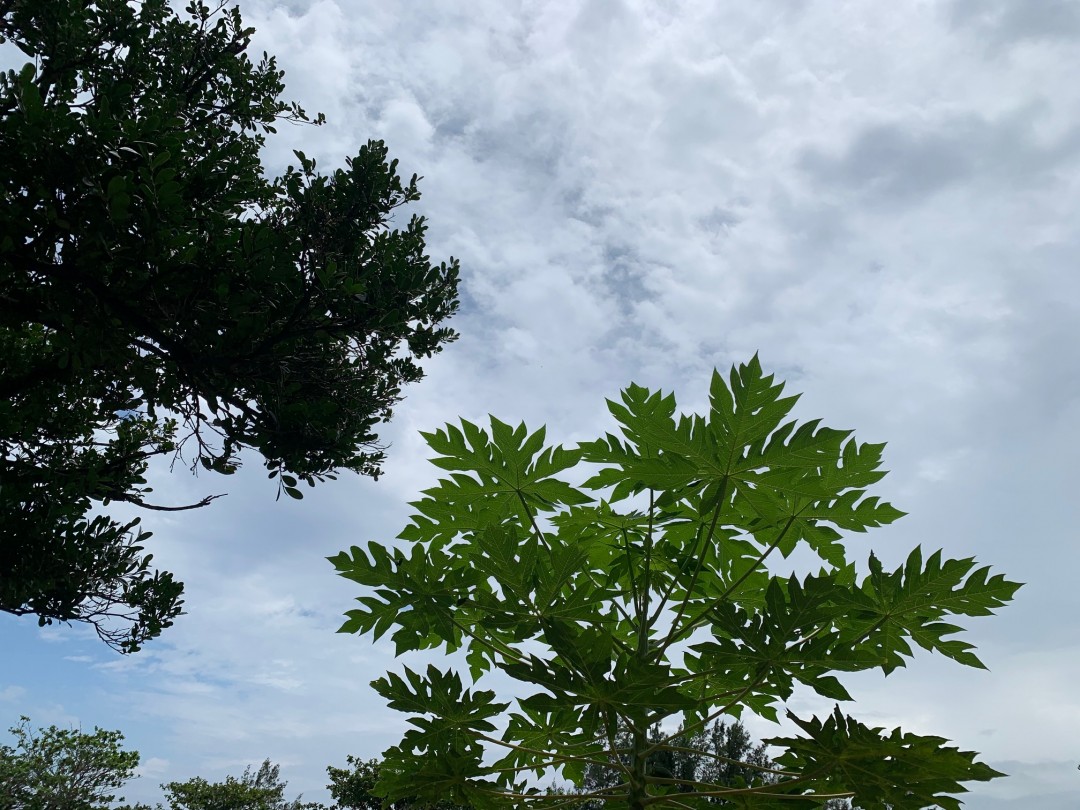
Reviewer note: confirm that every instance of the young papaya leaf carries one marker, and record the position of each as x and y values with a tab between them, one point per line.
908	603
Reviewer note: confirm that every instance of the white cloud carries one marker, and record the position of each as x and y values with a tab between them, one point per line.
12	693
152	768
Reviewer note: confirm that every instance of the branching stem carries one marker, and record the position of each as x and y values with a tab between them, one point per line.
702	551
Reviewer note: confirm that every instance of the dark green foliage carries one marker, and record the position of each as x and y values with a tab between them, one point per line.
58	769
258	790
723	754
652	598
353	788
160	294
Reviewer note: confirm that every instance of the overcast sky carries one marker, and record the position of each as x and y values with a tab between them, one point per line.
880	198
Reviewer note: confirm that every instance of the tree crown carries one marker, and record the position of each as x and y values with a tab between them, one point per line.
652	600
63	768
160	294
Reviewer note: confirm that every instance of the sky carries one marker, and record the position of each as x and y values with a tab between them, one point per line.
879	198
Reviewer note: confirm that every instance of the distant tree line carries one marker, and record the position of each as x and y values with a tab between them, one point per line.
723	754
61	769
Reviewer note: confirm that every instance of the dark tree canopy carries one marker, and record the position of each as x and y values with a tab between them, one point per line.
255	790
160	295
722	754
353	788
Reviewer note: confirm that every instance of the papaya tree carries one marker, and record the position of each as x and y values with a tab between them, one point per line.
635	580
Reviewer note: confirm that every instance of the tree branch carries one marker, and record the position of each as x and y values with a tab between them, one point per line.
139	502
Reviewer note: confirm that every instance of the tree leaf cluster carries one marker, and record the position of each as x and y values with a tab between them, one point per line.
650	594
62	768
722	754
261	789
162	295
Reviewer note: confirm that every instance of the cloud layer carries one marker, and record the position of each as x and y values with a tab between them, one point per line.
880	199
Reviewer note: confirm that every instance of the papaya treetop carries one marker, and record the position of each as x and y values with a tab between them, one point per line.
160	294
645	594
